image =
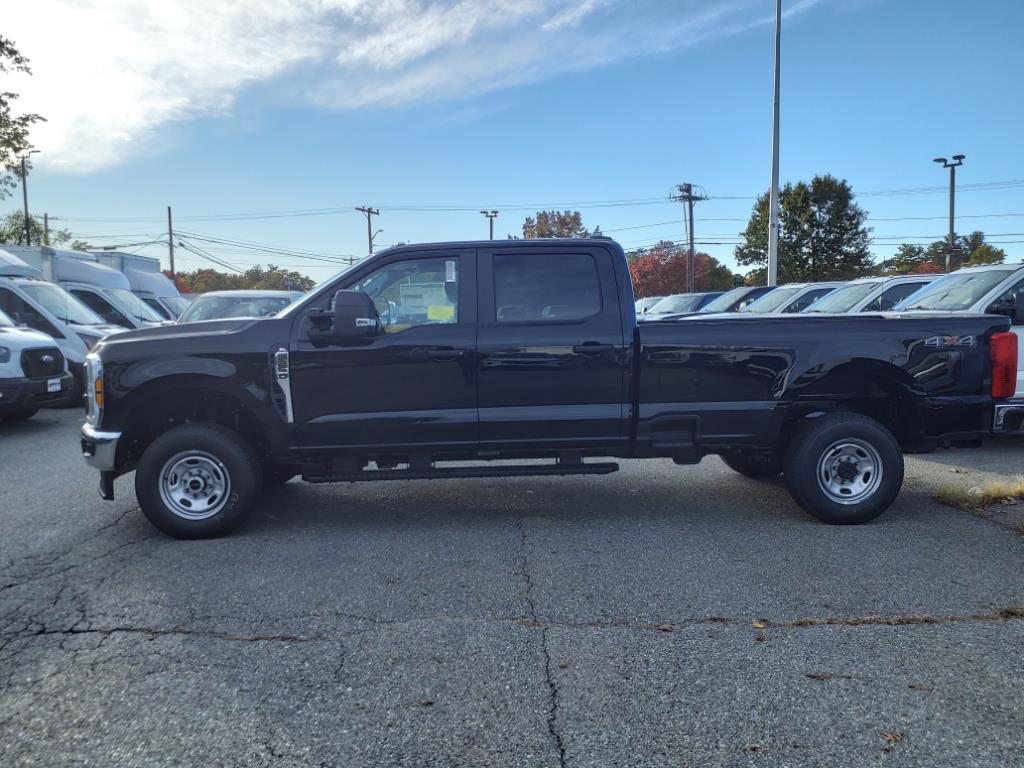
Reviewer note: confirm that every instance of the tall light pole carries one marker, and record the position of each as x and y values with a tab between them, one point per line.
24	193
958	160
773	195
491	215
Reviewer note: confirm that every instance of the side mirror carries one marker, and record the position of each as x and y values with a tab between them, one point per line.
353	318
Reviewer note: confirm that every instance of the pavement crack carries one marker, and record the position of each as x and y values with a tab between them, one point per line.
152	632
524	570
556	734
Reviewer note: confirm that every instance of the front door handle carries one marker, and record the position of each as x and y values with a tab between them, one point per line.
445	353
592	348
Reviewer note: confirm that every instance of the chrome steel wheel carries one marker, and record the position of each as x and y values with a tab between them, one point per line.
194	485
849	471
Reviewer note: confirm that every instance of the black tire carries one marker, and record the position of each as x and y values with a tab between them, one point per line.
28	413
757	466
222	462
873	475
274	477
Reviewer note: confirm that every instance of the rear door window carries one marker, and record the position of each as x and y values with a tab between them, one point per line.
545	288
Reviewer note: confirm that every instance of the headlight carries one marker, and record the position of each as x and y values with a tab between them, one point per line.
5	354
94	388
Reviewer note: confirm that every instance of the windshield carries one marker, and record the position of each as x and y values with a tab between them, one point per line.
221	307
772	301
127	300
177	304
726	300
61	304
686	303
844	299
960	290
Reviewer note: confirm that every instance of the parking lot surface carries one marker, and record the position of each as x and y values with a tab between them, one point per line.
660	616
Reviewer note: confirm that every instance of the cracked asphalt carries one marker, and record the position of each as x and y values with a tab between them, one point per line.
660	616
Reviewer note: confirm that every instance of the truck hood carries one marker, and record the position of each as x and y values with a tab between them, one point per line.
183	331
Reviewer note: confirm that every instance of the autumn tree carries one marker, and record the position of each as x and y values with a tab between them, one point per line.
823	233
968	251
557	224
269	278
14	129
662	270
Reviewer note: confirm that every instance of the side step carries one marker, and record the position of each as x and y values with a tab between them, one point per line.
445	473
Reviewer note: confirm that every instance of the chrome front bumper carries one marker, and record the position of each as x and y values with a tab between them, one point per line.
99	449
1009	418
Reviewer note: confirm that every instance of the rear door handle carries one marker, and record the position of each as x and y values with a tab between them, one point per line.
445	353
591	348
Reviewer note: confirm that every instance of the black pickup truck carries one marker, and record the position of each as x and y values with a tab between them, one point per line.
431	361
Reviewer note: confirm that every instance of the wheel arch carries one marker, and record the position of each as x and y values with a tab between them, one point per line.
161	404
874	388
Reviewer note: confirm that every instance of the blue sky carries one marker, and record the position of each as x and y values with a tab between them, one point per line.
491	103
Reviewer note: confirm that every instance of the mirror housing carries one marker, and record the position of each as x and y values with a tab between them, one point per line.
353	319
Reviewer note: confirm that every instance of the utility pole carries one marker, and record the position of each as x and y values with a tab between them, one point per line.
46	229
370	212
958	160
773	196
686	195
170	240
491	215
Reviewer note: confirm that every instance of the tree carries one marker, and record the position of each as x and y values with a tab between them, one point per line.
12	231
14	129
823	234
968	251
557	224
269	278
662	269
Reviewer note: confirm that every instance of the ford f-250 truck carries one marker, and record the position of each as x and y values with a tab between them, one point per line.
430	361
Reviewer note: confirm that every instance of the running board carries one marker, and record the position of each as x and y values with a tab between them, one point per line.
446	473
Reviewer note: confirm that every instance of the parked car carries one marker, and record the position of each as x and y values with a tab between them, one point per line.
33	372
529	351
104	290
642	305
737	299
789	299
219	305
42	306
671	307
870	294
992	290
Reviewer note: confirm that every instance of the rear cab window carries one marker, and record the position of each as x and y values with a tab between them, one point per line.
545	288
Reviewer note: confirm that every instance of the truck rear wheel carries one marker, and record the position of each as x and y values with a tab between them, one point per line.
756	466
197	481
844	468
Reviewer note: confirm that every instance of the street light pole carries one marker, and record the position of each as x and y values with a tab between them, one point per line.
958	160
24	193
491	215
773	195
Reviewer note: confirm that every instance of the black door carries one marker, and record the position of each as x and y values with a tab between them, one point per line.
412	384
551	348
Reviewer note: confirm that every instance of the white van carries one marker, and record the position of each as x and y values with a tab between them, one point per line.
104	290
33	372
147	281
32	302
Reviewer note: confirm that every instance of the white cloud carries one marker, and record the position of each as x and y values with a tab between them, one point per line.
108	73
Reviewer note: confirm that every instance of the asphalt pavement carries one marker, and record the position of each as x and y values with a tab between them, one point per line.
660	616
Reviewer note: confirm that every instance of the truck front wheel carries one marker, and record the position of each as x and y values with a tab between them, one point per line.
197	481
844	468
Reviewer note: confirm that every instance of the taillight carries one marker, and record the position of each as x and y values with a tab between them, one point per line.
1003	351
